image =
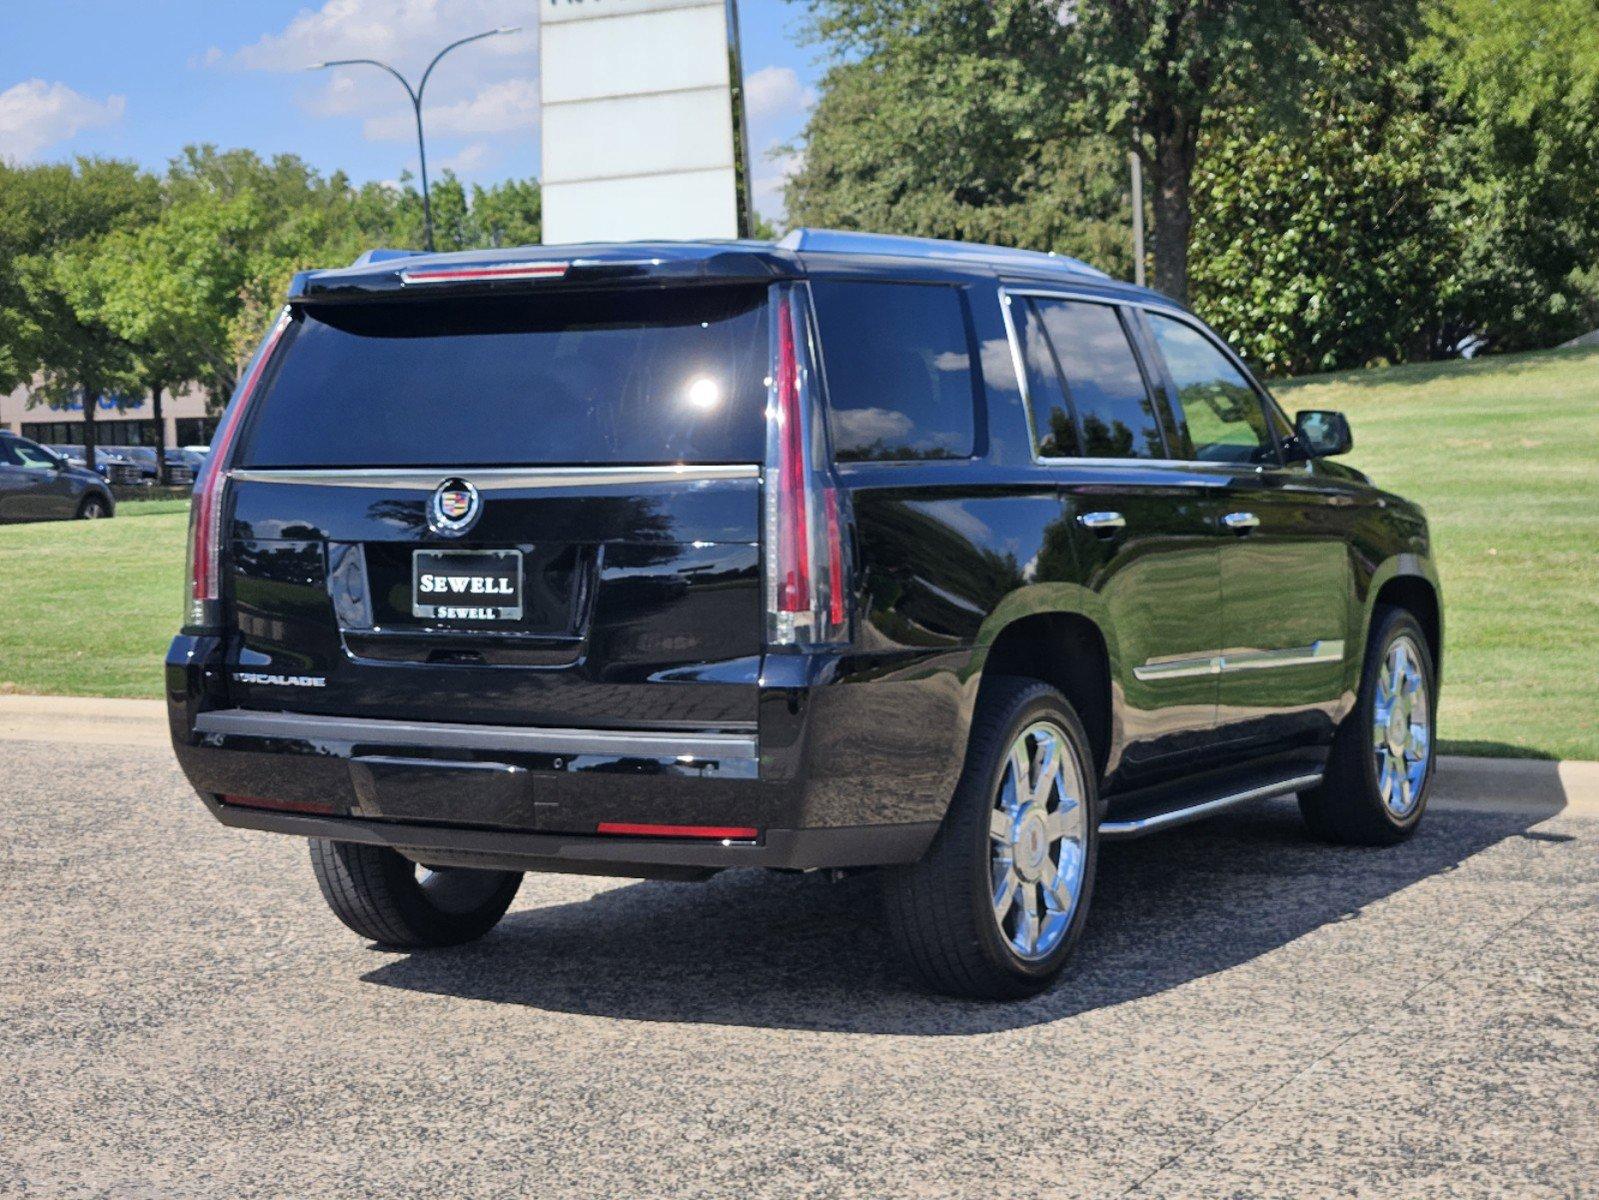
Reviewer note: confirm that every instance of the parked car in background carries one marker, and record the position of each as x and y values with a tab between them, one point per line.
845	552
183	466
115	464
39	485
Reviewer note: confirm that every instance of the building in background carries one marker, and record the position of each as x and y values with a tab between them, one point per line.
644	128
131	424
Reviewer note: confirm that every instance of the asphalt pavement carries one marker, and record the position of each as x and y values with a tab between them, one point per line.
1251	1014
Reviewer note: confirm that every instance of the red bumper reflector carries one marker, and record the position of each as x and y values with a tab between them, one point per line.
725	833
299	806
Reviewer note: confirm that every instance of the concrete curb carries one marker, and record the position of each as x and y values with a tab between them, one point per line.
1467	784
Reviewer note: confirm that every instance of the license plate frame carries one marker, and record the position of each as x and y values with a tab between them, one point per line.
484	605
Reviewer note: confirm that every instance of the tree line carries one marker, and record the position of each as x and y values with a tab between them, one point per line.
1332	183
121	284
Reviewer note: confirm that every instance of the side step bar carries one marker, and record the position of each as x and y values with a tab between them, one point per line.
1140	824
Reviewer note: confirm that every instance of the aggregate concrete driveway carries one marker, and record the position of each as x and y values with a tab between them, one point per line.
1252	1014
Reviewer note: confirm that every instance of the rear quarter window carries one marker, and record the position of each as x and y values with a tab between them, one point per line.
898	362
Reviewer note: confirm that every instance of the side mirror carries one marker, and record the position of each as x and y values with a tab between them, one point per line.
1323	433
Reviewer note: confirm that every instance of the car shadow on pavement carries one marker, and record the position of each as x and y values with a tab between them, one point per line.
752	948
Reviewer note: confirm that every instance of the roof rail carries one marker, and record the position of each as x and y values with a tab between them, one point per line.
837	241
380	254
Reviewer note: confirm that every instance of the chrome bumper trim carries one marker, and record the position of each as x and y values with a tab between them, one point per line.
367	731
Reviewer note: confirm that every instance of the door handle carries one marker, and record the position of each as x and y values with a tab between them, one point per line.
1241	522
1103	523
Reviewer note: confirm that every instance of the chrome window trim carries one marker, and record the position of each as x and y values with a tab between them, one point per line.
425	479
1019	364
1325	650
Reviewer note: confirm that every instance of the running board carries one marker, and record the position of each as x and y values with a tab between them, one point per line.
1138	825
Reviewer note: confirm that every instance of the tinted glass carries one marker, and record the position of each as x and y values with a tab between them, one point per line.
618	377
1222	412
1053	426
1115	416
7	457
899	370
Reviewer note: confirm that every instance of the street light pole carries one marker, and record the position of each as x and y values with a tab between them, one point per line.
416	95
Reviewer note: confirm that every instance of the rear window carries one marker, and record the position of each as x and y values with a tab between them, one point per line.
899	370
600	377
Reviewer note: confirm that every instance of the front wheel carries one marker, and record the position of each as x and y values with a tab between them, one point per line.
92	509
995	908
386	897
1375	789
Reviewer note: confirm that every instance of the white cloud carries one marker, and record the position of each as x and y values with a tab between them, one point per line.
405	33
506	107
35	114
862	426
771	174
471	159
775	92
488	87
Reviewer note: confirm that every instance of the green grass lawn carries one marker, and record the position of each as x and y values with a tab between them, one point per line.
1504	455
87	607
1503	452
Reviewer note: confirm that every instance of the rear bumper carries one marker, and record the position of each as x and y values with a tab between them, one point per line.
810	782
639	858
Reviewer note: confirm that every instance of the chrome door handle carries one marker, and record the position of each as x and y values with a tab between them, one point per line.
1102	522
1241	522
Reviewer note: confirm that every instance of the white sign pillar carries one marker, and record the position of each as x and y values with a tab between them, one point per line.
642	120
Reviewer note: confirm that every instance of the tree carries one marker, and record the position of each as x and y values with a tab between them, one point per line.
1524	76
1335	243
955	132
58	213
1150	73
170	290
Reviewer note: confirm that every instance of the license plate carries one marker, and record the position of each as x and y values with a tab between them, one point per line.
467	585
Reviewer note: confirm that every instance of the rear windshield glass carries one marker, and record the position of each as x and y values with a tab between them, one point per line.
612	377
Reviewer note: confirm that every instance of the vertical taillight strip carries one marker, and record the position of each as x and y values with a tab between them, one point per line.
207	503
805	577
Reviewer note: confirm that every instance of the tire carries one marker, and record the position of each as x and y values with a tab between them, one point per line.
1359	802
941	912
387	898
93	508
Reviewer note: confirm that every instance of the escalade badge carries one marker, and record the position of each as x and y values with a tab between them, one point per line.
453	508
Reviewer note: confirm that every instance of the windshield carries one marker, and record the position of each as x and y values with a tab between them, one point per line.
631	376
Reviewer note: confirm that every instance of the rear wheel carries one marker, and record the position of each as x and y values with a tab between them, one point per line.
92	509
995	908
384	896
1380	769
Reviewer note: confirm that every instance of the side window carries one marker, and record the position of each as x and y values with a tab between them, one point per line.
1223	413
1054	429
7	458
34	457
899	370
1105	390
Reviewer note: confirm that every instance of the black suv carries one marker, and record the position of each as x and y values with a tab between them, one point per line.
844	552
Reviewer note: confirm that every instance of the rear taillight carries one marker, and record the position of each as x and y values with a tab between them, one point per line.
203	610
806	588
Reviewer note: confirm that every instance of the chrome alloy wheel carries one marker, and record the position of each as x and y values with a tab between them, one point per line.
1401	733
1037	834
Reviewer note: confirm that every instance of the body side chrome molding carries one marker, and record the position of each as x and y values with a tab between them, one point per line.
1139	826
369	731
491	479
1324	651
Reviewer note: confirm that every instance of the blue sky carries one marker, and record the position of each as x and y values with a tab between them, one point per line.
142	78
